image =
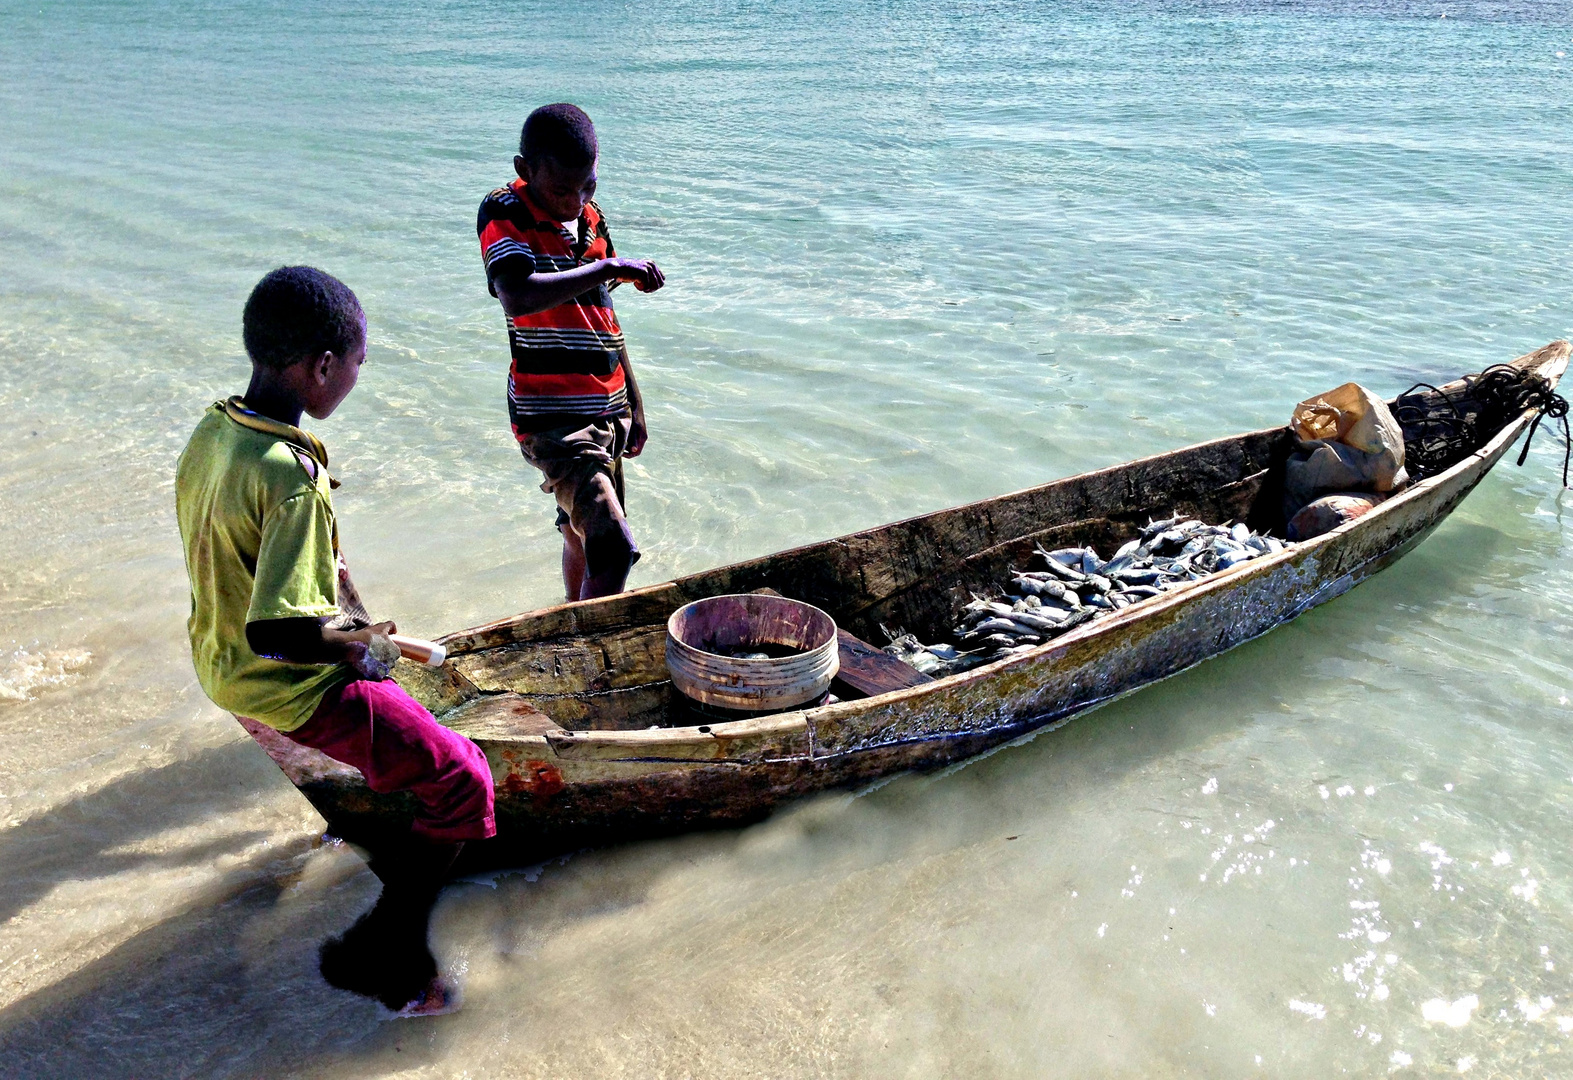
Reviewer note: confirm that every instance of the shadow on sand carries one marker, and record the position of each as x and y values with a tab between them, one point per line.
191	994
78	840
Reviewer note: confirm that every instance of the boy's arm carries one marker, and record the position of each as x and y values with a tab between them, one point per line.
352	611
309	641
295	594
526	294
638	434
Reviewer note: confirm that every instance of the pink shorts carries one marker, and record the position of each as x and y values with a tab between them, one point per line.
398	746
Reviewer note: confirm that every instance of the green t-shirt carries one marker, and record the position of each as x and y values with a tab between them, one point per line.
257	521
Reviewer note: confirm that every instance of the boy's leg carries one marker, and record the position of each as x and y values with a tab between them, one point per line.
573	558
385	955
582	469
397	746
596	515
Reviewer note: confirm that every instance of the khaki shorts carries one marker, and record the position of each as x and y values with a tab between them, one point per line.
583	469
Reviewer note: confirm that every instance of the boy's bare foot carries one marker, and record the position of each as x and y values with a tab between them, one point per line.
438	999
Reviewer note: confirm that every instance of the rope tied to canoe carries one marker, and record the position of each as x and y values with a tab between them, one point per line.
1439	433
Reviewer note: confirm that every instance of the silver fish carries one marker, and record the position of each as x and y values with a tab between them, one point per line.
1097	583
1119	562
1066	573
1148	576
1029	586
1074	587
1039	622
997	624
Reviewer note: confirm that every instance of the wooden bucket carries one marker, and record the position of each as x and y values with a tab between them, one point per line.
701	638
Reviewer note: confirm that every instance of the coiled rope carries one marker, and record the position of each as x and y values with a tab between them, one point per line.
1436	437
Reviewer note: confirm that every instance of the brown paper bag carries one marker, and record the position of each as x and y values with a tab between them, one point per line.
1351	416
1354	416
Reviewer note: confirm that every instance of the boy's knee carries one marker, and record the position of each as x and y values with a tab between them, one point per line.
457	800
476	772
475	796
610	549
608	543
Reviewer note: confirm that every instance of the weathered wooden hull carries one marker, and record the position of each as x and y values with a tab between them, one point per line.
570	786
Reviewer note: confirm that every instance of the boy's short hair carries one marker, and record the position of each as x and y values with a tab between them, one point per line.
299	311
561	132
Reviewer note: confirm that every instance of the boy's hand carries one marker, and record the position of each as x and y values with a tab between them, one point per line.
371	653
638	434
645	275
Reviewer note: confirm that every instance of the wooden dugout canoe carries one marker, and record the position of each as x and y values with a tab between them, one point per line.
572	704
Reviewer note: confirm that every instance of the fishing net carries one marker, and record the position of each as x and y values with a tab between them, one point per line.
1440	429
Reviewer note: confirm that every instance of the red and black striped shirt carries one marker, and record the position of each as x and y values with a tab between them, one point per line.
567	360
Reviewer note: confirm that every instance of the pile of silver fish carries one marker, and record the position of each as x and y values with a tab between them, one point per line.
1075	586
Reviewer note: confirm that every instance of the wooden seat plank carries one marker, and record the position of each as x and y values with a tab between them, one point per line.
869	671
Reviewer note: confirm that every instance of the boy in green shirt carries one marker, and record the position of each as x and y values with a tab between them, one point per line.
252	495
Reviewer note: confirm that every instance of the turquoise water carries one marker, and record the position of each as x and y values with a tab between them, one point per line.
917	255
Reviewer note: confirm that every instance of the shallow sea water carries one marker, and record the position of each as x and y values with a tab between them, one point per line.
918	254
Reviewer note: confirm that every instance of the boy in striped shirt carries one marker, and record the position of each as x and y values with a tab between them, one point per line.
572	399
